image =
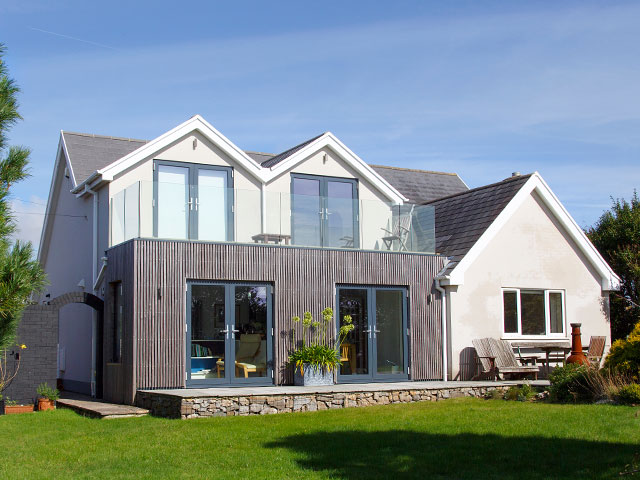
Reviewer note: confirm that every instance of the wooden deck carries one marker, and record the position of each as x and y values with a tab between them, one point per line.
90	407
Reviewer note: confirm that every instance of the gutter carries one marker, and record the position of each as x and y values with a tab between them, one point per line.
443	312
94	282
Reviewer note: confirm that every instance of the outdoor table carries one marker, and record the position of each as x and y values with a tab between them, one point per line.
271	238
547	346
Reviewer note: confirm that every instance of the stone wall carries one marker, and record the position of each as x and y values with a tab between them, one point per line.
38	330
170	406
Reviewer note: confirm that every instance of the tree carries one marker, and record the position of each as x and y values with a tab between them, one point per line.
617	236
20	274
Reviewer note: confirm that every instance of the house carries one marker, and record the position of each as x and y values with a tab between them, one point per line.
203	252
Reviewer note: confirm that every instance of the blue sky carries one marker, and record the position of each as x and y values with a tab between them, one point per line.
478	88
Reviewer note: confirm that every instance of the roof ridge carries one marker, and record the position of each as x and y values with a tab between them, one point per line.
506	180
110	137
415	170
282	155
260	153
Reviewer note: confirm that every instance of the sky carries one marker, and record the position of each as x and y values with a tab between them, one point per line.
482	89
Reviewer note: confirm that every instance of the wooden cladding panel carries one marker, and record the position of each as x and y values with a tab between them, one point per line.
303	279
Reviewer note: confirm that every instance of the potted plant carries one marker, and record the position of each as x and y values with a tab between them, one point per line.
314	363
47	397
11	407
7	374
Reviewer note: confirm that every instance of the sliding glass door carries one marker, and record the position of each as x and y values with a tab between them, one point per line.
324	211
229	334
377	348
193	202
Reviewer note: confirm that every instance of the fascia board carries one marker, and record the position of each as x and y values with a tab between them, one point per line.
46	227
195	123
67	158
330	141
609	280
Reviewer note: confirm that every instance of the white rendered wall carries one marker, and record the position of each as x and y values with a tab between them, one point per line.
530	251
68	261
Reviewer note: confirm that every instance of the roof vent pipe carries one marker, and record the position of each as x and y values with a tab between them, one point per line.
515	174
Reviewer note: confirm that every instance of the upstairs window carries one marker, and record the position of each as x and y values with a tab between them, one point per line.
533	312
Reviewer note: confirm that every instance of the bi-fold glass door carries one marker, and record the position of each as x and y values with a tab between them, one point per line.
229	333
324	211
193	201
377	348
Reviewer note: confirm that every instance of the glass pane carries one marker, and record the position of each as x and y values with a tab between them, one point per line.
212	205
390	332
510	312
340	215
251	331
354	351
555	312
117	218
131	211
173	194
532	315
207	336
305	212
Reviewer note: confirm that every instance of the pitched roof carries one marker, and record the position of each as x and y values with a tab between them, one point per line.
461	219
421	186
88	153
276	159
260	156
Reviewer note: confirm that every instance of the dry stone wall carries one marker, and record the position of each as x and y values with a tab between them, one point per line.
163	405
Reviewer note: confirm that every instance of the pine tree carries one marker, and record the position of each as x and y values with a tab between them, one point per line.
20	274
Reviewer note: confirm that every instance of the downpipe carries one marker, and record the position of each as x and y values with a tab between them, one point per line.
443	312
94	275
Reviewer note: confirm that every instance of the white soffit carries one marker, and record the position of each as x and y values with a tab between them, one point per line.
264	175
331	141
609	280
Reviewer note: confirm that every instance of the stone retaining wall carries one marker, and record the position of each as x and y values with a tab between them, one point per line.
163	405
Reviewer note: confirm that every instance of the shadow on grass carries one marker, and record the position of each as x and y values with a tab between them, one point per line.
405	454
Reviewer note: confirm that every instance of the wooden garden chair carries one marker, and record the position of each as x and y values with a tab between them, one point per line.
596	350
499	359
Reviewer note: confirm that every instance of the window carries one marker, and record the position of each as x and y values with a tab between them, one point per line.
533	312
193	201
117	327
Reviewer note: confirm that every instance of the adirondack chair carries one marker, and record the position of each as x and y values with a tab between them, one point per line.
596	350
500	359
400	230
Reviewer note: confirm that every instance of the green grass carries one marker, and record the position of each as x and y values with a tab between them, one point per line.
463	438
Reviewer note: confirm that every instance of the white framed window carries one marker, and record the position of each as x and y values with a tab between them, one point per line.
533	313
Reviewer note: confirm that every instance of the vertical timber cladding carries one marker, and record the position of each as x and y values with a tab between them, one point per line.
119	381
303	279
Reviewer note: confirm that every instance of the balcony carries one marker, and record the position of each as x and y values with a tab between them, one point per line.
212	214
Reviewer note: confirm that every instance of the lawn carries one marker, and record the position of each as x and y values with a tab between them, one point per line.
463	438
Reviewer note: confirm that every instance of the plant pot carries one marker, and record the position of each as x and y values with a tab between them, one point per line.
313	376
13	409
46	404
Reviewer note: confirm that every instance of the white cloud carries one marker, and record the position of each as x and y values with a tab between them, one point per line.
29	216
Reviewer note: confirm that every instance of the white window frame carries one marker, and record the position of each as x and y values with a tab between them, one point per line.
547	320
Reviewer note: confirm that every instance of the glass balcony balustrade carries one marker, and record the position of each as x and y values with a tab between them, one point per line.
208	213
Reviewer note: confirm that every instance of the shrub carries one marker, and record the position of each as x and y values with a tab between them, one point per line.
629	394
521	394
493	394
624	356
570	383
45	391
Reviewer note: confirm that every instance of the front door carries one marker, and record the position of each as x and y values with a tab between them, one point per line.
324	211
229	334
377	348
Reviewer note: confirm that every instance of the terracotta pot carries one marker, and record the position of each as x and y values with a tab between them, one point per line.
46	404
13	409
